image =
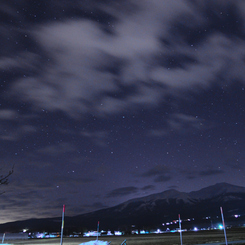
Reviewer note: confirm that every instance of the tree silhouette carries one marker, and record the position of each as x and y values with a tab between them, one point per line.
4	178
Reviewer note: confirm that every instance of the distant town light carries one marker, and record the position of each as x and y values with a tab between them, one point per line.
158	231
221	227
92	233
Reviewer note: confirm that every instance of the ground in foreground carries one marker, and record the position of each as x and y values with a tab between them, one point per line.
200	237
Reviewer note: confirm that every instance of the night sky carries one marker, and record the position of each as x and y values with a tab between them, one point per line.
102	101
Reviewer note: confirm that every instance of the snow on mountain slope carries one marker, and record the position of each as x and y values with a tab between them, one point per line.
205	193
216	190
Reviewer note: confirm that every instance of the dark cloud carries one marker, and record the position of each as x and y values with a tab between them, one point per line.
211	172
161	173
124	191
157	170
148	187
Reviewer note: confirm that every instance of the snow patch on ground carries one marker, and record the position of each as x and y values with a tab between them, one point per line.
95	243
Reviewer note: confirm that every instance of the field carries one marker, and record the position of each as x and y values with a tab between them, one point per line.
200	237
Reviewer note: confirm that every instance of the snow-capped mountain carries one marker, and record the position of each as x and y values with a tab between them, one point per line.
152	210
215	190
219	191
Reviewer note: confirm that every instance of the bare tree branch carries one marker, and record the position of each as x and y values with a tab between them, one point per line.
4	178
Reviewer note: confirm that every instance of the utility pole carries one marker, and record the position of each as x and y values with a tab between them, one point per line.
98	228
180	232
62	225
223	221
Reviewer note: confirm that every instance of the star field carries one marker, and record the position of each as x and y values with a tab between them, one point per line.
104	101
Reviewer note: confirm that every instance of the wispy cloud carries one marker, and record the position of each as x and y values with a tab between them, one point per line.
10	134
97	137
57	149
8	114
81	75
211	172
181	123
160	173
123	191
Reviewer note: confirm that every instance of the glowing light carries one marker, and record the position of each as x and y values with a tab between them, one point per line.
118	233
158	231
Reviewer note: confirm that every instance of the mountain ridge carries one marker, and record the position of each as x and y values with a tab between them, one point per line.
149	211
203	192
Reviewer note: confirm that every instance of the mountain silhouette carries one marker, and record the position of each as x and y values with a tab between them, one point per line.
151	211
